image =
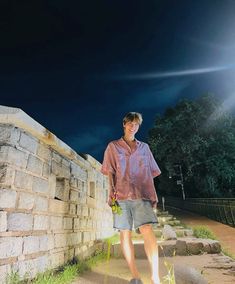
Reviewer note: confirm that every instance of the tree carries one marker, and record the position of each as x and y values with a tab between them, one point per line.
200	137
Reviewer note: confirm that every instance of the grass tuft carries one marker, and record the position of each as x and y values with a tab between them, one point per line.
203	232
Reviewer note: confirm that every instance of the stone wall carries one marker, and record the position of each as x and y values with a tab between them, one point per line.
52	201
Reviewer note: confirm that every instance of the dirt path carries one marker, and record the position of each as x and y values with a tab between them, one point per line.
224	233
117	272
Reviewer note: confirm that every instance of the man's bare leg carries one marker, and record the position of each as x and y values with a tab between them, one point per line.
128	252
151	249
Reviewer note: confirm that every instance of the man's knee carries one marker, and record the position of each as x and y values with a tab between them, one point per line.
125	234
144	229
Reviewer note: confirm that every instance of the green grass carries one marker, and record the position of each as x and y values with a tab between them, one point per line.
203	232
13	278
70	271
63	275
227	253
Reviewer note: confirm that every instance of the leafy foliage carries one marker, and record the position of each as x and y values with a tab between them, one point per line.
200	136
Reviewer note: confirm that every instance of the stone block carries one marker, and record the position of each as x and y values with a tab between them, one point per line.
68	223
29	143
74	239
5	270
93	236
72	209
80	183
60	240
166	250
56	157
42	263
26	201
65	163
215	246
9	135
34	165
56	223
194	247
52	185
31	244
76	223
40	185
3	221
181	248
79	172
6	175
98	235
94	224
41	222
83	223
7	198
60	170
79	210
43	152
56	168
57	206
23	180
46	170
85	211
89	224
86	237
43	243
41	204
83	200
74	196
69	254
73	182
26	268
10	247
56	259
91	212
19	222
51	241
13	156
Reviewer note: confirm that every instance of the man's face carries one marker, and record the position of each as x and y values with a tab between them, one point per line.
131	127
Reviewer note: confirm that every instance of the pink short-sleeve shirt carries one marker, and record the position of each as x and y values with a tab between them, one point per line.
133	171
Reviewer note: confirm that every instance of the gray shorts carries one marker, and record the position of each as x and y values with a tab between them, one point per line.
135	213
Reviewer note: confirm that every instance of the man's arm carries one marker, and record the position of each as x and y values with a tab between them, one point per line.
111	177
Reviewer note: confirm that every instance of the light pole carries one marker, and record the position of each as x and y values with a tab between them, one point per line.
181	180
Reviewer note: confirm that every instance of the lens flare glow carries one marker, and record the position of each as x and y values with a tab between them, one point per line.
179	73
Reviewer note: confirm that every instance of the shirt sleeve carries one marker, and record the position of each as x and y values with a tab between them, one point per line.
108	165
153	165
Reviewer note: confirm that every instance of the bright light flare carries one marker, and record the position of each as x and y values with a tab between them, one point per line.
187	72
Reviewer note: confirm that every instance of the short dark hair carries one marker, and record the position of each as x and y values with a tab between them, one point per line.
133	116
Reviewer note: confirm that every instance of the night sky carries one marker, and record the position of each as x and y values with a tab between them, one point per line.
77	67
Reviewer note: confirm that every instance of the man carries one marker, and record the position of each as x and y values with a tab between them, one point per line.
131	168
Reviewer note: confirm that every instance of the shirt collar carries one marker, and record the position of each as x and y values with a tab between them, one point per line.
137	141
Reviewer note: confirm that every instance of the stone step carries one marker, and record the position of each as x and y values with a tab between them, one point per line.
181	246
165	218
162	213
180	232
172	222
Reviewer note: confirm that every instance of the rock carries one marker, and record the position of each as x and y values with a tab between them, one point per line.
187	275
195	247
168	233
181	248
